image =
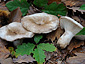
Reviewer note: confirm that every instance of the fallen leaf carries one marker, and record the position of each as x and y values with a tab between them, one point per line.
24	58
4	53
15	15
75	3
55	34
75	44
2	6
33	10
79	59
48	55
4	20
79	50
76	9
69	3
7	61
79	19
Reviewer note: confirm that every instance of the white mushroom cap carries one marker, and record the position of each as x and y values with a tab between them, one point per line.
40	22
71	27
14	31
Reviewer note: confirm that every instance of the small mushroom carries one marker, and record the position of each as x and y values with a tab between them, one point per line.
71	29
14	31
40	22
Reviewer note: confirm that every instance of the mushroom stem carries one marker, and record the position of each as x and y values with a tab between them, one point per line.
65	39
71	27
18	42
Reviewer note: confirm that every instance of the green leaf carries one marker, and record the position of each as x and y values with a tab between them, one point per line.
82	32
23	4
39	55
82	7
40	3
51	9
61	9
55	9
13	53
37	38
47	47
25	49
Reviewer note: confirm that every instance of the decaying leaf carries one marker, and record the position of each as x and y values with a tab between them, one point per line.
55	34
79	50
76	9
15	15
69	3
48	55
4	20
72	3
7	61
79	59
24	58
33	10
75	44
2	6
79	19
4	53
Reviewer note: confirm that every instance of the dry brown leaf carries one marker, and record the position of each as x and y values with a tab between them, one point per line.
51	36
24	58
4	20
79	50
15	15
73	3
79	59
76	9
2	6
7	61
69	3
33	10
75	44
48	55
79	19
4	53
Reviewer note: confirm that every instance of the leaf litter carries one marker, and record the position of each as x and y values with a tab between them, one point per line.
15	15
59	55
23	58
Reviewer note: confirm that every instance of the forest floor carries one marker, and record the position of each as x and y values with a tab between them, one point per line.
74	53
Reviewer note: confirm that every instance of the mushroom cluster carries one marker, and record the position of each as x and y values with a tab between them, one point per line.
41	23
30	24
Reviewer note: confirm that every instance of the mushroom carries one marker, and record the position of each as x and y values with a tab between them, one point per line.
14	31
71	29
40	22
